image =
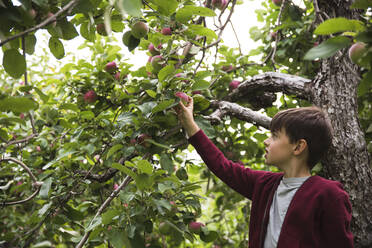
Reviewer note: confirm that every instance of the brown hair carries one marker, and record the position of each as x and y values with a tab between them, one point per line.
309	123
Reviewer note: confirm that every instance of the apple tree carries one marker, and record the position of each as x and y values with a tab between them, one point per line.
92	151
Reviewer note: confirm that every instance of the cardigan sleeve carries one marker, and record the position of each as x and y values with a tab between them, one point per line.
336	218
236	176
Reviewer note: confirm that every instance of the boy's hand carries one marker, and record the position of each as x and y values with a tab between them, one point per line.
185	116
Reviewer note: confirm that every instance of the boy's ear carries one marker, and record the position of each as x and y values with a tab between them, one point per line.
300	146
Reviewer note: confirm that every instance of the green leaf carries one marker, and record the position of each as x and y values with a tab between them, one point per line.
203	31
151	93
157	144
166	71
327	48
43	244
361	4
89	115
166	163
166	7
185	14
69	106
124	169
143	181
206	127
87	31
44	209
30	41
365	84
42	96
17	104
109	215
210	237
340	24
14	63
114	149
45	188
56	47
200	85
200	102
96	222
132	7
163	105
144	166
118	238
68	30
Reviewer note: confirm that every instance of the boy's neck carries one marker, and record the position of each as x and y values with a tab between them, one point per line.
294	171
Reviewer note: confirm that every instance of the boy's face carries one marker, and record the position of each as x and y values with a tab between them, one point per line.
278	149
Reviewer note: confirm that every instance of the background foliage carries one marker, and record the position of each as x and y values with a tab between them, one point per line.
82	151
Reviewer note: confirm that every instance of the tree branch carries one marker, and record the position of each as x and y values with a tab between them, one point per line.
272	82
114	193
50	19
33	178
239	112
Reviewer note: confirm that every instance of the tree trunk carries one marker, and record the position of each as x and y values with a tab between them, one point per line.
348	161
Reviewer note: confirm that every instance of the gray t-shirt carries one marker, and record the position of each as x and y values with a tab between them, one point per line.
282	197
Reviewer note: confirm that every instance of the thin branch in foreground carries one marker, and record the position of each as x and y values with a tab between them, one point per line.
33	178
50	19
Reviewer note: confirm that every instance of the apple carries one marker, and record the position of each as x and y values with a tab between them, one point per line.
117	76
154	50
22	83
174	207
196	92
166	31
277	2
139	30
50	14
157	62
133	142
316	43
111	67
141	140
273	35
356	52
165	228
183	96
219	4
38	148
101	29
195	227
234	84
227	68
22	116
32	13
116	186
90	96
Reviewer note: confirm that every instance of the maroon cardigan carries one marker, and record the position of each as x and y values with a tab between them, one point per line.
318	216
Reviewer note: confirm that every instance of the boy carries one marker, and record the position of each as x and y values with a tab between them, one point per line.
291	209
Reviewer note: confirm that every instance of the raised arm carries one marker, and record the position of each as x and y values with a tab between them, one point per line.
235	175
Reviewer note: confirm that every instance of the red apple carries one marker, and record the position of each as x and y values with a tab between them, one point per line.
101	29
153	50
227	68
117	76
90	96
277	2
234	84
166	31
196	92
142	140
316	43
356	51
32	13
139	30
183	96
22	83
219	4
50	14
111	67
116	186
157	62
38	148
195	227
22	116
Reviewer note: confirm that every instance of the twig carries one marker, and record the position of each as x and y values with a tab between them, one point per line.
34	179
21	140
277	36
236	36
50	19
114	193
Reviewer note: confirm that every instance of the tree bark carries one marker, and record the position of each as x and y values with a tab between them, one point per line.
348	161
